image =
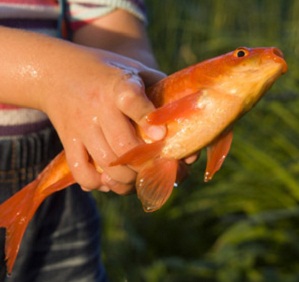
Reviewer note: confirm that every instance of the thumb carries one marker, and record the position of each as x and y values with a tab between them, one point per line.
133	103
151	76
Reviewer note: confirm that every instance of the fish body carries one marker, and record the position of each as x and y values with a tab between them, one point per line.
198	105
211	95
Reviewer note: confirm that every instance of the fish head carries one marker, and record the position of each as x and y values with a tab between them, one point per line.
245	73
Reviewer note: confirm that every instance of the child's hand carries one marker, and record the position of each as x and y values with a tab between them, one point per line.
90	104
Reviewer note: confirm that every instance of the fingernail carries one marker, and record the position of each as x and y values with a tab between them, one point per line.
104	188
85	189
156	132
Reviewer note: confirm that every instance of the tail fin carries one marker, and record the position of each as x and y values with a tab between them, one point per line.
17	211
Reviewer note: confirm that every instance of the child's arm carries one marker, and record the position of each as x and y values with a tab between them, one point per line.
89	95
122	33
118	32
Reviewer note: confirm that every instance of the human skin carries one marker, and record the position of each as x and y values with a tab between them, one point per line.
127	36
89	94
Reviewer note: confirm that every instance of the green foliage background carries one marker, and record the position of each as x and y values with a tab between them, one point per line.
243	226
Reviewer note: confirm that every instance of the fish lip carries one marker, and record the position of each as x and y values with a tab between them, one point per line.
282	62
277	52
276	55
285	67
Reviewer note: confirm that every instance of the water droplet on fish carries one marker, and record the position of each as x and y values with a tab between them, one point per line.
148	208
22	220
76	164
140	183
207	177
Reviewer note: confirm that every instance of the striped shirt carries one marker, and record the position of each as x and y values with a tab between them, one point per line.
44	16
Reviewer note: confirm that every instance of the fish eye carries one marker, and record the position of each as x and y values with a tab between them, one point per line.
241	52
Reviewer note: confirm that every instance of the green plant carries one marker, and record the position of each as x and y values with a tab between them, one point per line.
242	226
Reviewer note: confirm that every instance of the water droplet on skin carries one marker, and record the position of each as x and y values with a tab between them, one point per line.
28	70
102	153
95	119
121	144
76	165
74	140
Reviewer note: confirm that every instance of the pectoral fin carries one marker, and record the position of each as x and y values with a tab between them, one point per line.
156	177
181	108
216	154
155	183
140	154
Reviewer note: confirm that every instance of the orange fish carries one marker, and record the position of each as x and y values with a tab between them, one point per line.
198	105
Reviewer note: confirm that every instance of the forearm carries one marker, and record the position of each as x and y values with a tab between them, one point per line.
90	95
30	63
119	32
37	67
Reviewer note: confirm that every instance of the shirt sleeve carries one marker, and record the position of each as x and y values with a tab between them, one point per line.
81	12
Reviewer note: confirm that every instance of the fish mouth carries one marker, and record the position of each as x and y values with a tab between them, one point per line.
277	56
